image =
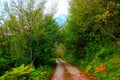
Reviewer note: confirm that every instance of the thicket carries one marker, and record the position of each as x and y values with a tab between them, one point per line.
27	36
92	36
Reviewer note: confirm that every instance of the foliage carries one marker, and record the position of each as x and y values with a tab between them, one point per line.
18	73
90	39
27	36
28	72
41	73
91	35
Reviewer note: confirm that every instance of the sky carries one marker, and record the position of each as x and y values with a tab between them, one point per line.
61	7
62	10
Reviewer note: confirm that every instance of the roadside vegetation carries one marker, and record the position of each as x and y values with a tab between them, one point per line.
92	38
30	40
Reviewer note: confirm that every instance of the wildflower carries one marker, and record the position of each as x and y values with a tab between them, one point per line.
101	68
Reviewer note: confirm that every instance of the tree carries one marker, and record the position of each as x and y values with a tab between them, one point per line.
90	22
28	35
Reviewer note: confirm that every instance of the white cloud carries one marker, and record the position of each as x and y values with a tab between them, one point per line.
62	6
1	1
49	5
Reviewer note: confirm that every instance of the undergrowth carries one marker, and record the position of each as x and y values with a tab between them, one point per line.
28	72
107	55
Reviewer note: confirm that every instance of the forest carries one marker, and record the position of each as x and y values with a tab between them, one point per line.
30	41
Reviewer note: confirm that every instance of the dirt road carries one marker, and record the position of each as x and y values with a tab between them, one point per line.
67	71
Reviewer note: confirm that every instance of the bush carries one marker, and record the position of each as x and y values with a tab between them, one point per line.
41	73
52	62
17	73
